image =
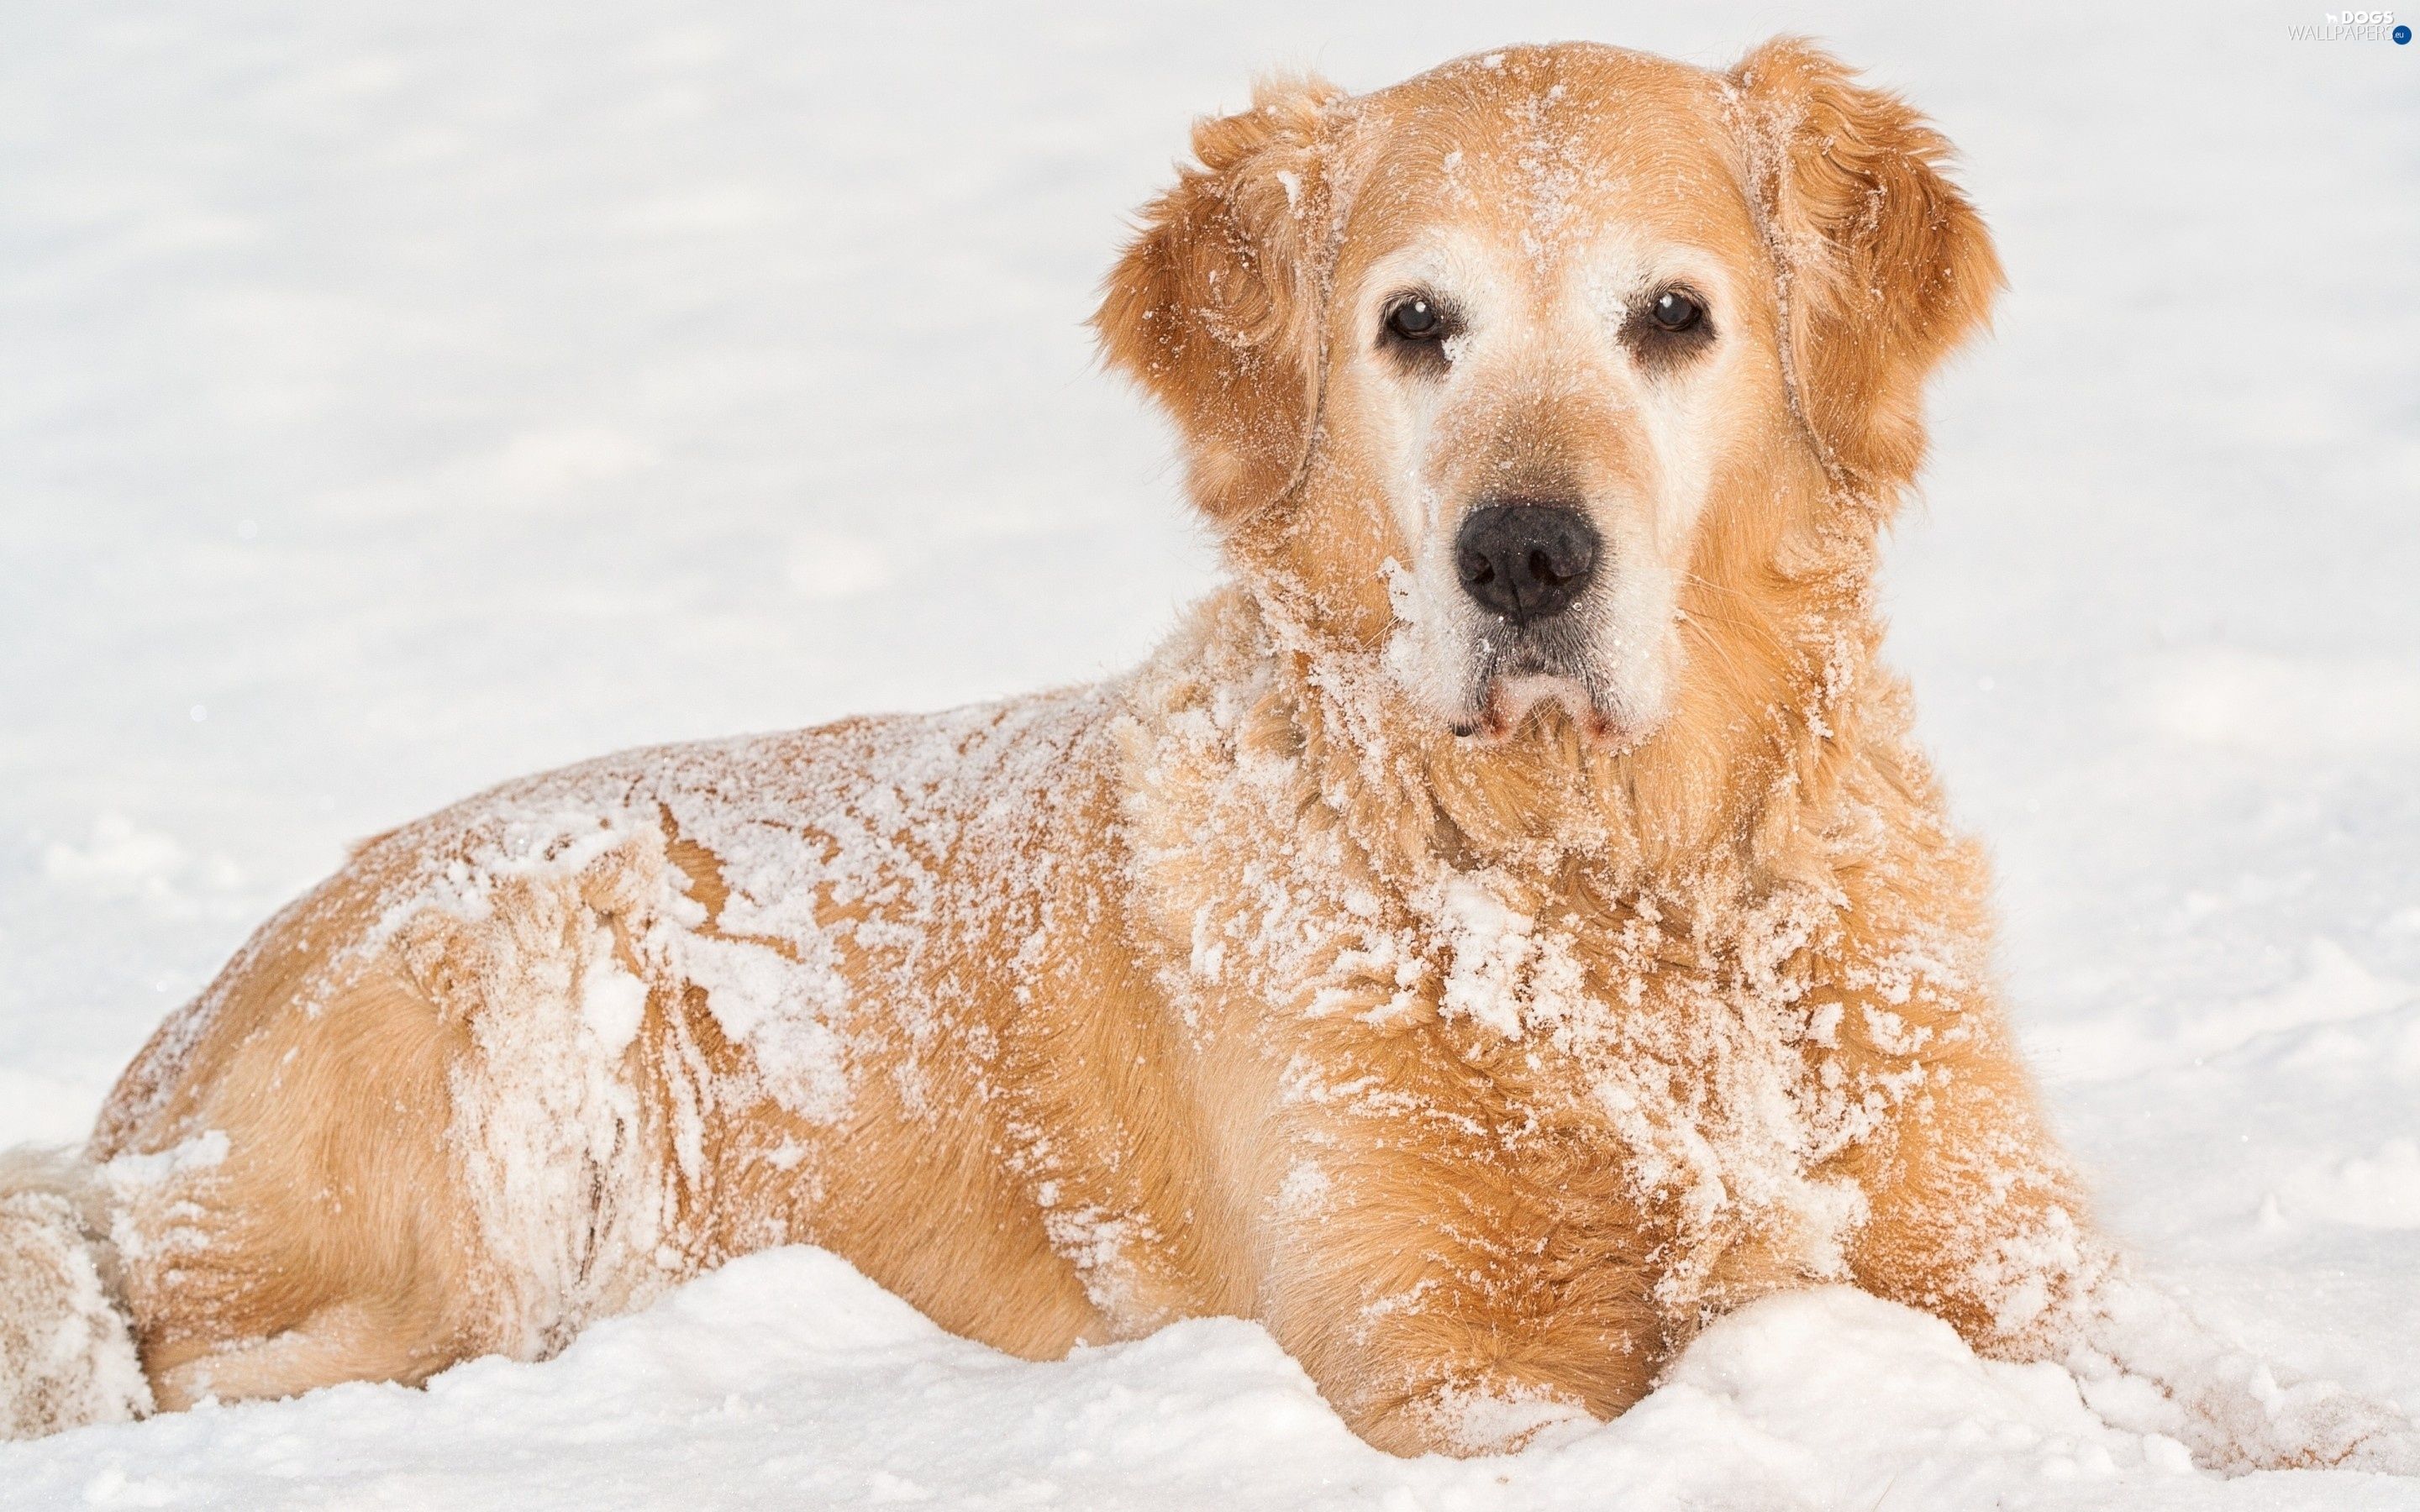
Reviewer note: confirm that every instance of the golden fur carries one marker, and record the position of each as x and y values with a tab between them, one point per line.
1483	1067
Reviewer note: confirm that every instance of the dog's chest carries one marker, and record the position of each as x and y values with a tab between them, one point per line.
1621	1077
1694	1072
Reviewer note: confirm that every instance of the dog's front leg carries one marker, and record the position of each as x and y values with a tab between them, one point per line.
1442	1305
1976	1217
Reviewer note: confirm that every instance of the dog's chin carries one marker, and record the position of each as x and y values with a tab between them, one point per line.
1508	705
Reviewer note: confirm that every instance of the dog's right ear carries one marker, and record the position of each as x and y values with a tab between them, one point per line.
1216	307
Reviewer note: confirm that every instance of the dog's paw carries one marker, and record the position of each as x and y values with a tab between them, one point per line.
2236	1414
1473	1416
2147	1367
2388	1446
2290	1424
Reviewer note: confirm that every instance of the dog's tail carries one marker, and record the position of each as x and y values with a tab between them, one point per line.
67	1349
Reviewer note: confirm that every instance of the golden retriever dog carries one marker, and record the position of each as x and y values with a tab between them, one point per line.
1508	925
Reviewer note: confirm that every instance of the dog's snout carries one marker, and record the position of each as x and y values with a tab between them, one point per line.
1524	561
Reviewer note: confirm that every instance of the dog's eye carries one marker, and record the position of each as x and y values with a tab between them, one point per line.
1417	319
1675	311
1668	332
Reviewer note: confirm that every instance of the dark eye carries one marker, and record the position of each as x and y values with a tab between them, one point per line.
1416	318
1675	311
1666	332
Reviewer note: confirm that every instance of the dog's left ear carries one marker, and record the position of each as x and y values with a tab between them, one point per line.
1216	307
1887	267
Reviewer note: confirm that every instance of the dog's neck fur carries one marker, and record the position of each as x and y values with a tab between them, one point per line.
1731	797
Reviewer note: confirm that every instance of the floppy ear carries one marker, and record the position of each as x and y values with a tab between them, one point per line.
1216	307
1887	268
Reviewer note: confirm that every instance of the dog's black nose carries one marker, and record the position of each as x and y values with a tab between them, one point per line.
1526	560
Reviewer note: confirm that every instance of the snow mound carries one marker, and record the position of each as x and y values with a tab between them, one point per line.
787	1379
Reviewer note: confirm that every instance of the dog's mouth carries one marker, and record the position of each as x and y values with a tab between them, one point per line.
1524	669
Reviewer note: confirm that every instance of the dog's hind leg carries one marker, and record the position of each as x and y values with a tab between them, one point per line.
299	1221
348	1341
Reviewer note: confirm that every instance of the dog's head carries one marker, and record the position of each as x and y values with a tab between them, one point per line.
1515	367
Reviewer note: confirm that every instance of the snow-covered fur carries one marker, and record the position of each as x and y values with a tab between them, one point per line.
67	1356
1483	1018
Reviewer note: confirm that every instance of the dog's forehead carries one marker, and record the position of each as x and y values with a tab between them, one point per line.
1551	148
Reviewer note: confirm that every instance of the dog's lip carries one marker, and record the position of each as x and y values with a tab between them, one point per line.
1506	700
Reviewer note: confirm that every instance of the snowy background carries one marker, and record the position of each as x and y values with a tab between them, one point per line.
396	398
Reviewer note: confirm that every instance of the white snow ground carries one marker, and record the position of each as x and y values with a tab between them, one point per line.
396	398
